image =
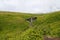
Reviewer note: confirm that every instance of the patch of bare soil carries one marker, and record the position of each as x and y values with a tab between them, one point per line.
51	38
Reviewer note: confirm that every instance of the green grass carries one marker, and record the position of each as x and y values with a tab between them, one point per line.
13	26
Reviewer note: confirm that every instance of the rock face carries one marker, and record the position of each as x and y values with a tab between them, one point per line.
31	19
51	38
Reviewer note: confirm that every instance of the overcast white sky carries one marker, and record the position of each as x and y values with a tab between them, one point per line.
36	6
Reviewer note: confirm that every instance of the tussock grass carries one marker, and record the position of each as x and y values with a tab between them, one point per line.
13	26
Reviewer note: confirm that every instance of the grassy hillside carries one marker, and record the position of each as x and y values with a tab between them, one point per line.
13	26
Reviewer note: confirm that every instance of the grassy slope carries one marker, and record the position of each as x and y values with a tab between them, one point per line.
13	26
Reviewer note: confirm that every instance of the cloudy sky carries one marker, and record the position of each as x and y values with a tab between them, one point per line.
36	6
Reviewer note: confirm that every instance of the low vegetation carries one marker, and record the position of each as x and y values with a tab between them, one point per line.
14	26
